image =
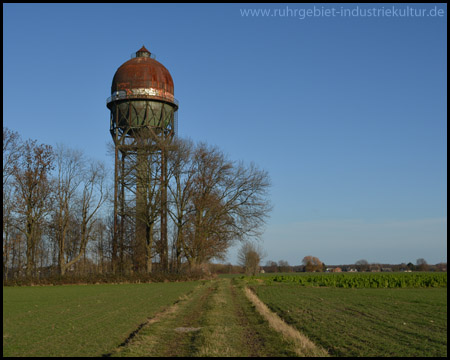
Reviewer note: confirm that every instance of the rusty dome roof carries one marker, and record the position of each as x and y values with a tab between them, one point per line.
142	72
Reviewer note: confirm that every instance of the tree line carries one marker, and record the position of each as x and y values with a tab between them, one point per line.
58	209
313	264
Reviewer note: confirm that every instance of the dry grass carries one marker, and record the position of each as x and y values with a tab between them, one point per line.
303	346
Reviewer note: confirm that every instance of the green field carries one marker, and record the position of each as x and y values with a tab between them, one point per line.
95	320
215	317
364	322
358	280
80	320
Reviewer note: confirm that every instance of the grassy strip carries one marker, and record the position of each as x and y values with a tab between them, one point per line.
364	322
221	334
231	327
216	321
80	320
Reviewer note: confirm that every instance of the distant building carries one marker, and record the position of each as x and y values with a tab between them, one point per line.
352	270
338	269
374	268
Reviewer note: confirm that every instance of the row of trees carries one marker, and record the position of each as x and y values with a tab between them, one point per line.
310	264
273	267
251	254
421	265
51	203
313	264
57	209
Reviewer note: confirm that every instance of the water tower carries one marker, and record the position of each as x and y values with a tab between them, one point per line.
143	122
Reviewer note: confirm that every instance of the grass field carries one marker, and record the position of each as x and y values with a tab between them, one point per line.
220	318
80	320
364	322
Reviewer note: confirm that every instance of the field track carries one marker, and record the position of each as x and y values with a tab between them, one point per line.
216	320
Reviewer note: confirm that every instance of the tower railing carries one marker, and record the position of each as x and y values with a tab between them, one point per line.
152	56
122	95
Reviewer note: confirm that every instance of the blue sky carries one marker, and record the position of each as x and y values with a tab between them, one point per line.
347	114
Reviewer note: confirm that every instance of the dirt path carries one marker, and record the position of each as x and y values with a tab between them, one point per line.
217	319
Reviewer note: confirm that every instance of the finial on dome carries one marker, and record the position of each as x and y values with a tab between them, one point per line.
143	52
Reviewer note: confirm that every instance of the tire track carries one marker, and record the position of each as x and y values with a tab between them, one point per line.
159	336
251	337
183	342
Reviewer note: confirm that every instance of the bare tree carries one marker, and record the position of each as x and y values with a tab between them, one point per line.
271	266
12	146
32	182
422	265
18	246
69	171
8	226
227	202
244	195
181	172
92	197
284	266
80	194
362	265
100	244
249	257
